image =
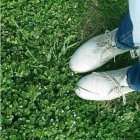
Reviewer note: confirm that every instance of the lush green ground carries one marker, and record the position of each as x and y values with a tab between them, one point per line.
38	38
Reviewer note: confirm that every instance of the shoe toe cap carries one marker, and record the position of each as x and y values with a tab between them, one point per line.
86	88
83	60
79	66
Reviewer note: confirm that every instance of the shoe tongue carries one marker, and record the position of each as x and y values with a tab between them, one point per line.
123	81
119	76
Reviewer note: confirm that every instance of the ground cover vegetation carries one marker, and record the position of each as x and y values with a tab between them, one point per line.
38	99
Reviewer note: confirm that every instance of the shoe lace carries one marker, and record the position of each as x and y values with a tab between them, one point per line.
116	86
107	44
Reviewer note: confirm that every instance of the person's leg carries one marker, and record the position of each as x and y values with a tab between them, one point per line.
133	77
134	6
123	38
128	34
128	37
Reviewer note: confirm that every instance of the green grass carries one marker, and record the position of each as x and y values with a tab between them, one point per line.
38	99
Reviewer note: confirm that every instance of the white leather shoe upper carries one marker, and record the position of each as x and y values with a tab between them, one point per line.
95	52
104	85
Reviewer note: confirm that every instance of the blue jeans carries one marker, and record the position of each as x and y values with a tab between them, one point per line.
133	77
124	40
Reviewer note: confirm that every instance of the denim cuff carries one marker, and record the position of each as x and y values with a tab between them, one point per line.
124	34
133	77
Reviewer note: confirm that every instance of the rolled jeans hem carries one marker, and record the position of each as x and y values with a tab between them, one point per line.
133	77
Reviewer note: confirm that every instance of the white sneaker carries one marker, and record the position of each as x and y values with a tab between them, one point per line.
104	85
95	53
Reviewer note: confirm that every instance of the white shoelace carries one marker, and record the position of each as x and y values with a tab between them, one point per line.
107	45
117	86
